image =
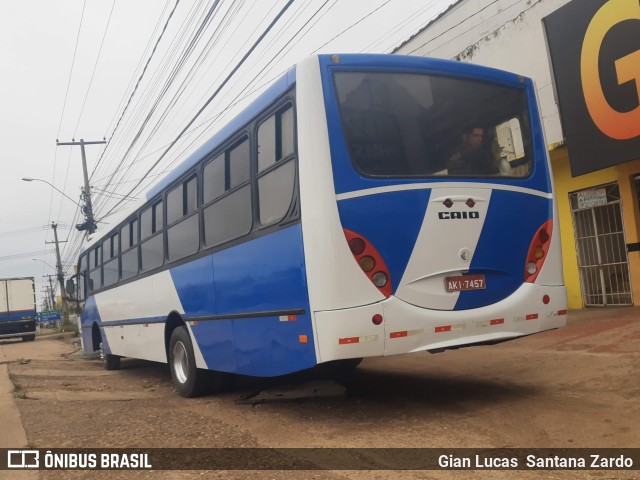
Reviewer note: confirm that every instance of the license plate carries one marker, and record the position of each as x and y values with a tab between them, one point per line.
464	282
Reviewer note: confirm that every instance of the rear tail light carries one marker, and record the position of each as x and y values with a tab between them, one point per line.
370	261
538	252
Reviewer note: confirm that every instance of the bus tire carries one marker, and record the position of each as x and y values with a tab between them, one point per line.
111	362
29	338
188	380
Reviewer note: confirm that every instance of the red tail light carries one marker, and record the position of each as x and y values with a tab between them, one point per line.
370	261
538	252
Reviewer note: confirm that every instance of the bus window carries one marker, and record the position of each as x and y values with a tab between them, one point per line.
275	184
82	277
152	247
228	218
95	274
129	257
214	179
110	252
183	235
267	143
239	164
418	125
227	213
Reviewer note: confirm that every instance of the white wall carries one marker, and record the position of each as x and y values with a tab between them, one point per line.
505	34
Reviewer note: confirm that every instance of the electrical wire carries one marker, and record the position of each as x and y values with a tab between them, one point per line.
144	70
95	66
449	30
73	61
211	98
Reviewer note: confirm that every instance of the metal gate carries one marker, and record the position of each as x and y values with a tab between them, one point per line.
601	246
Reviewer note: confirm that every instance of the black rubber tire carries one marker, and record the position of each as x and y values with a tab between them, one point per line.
340	371
188	380
111	362
29	338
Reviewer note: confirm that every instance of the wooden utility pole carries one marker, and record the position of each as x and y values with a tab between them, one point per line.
63	292
90	223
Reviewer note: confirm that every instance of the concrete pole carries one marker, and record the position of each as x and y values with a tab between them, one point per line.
63	292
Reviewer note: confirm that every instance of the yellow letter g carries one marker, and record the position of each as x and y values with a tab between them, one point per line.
614	124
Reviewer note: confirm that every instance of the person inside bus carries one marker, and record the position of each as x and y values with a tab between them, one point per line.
473	156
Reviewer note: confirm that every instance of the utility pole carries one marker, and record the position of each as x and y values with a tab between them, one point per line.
63	292
89	224
45	303
51	292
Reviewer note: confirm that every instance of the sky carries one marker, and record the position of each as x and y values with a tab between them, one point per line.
137	73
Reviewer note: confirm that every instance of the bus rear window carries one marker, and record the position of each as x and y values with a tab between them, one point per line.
417	125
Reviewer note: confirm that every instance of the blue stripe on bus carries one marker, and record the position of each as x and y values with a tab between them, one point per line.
391	222
261	275
502	249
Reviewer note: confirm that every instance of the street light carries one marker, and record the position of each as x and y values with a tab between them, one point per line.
38	260
28	179
89	225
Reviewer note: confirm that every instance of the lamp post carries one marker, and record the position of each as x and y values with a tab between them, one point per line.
29	179
48	265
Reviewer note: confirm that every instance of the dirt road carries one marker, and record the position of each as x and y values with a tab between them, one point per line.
574	387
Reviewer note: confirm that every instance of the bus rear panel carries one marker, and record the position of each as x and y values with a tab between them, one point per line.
433	256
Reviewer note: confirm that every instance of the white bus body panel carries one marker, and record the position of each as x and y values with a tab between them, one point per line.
152	297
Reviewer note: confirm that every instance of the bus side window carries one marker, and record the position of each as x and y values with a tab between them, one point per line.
82	277
276	170
226	184
110	251
183	232
129	248
152	246
95	273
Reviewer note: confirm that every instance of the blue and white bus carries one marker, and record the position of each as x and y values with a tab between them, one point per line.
326	224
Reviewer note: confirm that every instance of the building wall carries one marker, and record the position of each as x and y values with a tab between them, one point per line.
510	35
631	217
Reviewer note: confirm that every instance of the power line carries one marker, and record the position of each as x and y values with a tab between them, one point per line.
73	61
351	26
235	69
22	255
457	25
95	66
153	87
144	70
24	231
165	88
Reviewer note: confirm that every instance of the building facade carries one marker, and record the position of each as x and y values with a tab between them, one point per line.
599	211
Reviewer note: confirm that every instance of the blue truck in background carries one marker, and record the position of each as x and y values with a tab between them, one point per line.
18	308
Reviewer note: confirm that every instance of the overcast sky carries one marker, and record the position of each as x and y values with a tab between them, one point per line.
69	68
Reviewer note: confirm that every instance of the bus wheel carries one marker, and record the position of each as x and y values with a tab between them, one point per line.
188	380
110	362
28	338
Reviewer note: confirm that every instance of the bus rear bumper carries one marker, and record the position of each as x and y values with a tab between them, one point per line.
405	328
